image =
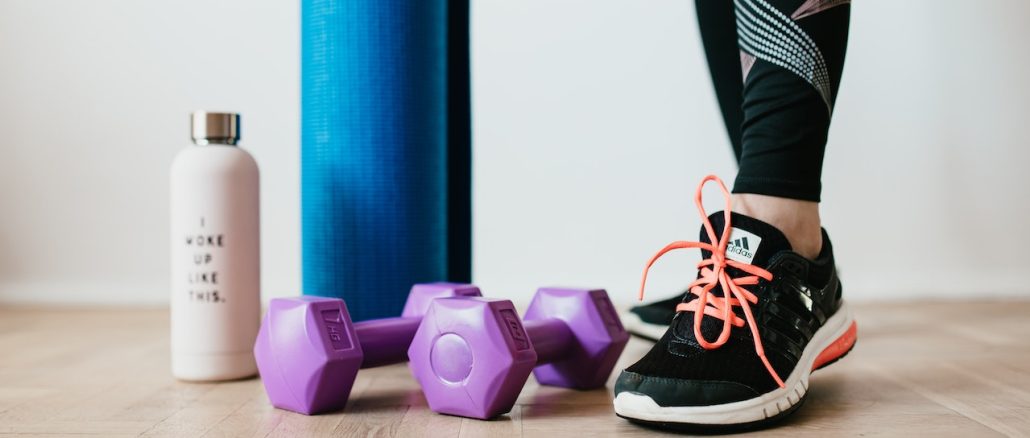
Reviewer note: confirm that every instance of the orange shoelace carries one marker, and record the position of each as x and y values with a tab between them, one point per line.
713	273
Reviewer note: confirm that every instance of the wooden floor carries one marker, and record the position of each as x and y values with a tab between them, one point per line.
941	369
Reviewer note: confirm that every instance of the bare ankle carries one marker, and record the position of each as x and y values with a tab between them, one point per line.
797	219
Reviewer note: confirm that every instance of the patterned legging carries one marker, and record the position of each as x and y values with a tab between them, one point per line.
776	66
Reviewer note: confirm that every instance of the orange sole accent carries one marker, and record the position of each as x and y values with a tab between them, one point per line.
838	348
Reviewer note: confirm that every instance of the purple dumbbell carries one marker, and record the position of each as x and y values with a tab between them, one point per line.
472	356
308	351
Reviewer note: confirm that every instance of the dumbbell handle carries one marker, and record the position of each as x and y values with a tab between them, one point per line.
385	341
551	338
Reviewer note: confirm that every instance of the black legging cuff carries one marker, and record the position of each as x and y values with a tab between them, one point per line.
793	189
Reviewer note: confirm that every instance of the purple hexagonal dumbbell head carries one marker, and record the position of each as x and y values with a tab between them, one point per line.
599	336
471	356
308	354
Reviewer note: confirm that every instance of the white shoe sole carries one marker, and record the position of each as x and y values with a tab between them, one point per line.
636	406
636	326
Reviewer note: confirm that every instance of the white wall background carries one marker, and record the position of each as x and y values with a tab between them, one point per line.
594	120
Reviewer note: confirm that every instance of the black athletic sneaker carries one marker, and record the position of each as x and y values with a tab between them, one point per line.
708	372
650	321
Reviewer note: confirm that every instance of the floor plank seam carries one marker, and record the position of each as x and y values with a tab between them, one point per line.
217	423
950	403
184	406
1019	392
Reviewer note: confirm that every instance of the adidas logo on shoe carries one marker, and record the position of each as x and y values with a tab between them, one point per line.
742	245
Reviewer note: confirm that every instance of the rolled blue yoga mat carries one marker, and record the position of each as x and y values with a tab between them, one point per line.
385	149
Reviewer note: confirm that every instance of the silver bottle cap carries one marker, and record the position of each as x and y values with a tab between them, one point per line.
215	128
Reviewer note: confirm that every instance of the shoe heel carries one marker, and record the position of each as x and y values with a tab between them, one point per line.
838	348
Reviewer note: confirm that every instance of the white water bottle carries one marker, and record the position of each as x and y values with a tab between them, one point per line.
216	285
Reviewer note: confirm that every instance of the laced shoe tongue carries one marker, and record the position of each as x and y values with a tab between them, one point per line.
751	240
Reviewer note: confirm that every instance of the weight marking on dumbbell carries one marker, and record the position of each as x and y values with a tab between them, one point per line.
518	335
331	315
608	315
333	322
